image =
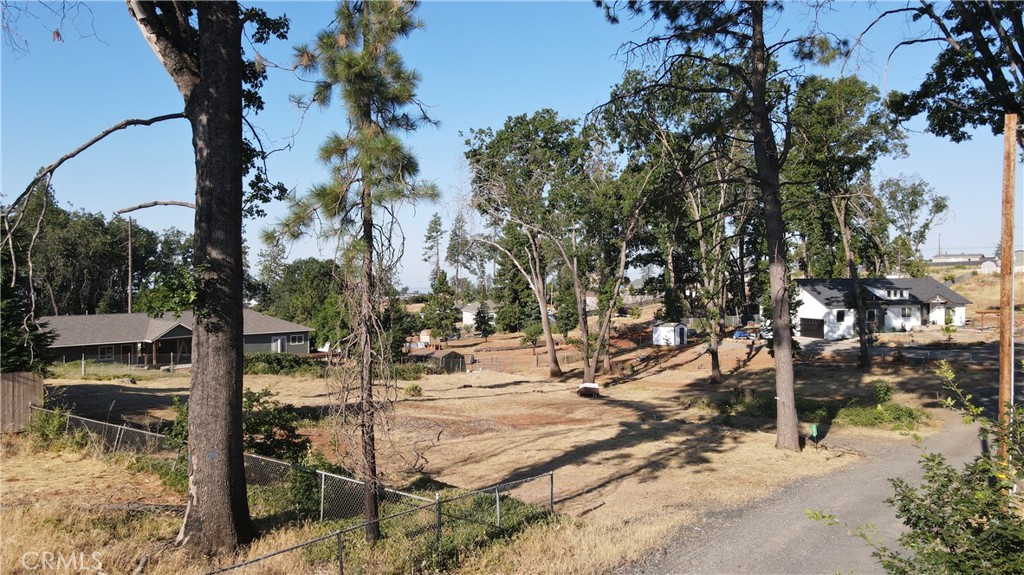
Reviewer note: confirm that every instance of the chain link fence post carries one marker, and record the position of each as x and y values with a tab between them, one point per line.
323	490
551	491
437	519
497	504
341	560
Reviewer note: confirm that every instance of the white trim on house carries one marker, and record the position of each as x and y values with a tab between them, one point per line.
901	304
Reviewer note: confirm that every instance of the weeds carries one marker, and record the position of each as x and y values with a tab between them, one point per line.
881	411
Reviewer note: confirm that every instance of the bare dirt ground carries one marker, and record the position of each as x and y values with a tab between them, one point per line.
649	450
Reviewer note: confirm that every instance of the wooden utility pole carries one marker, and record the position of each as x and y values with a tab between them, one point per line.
129	264
1006	274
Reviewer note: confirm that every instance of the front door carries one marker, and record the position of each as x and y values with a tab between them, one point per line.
277	344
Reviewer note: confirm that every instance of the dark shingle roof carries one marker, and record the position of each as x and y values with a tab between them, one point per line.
832	292
114	328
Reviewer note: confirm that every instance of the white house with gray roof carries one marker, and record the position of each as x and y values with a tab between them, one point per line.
826	306
138	339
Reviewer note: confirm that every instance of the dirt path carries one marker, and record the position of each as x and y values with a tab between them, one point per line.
774	535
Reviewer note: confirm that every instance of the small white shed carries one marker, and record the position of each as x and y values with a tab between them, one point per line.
669	333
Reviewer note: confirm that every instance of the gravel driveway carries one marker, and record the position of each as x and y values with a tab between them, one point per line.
774	535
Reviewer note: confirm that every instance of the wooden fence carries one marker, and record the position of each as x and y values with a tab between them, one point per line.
17	392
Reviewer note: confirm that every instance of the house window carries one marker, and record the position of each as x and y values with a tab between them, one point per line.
871	317
105	353
905	312
841	316
296	339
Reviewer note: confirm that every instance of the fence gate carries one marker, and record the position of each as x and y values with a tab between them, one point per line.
17	392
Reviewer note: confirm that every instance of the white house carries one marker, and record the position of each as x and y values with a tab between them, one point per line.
826	305
669	333
469	313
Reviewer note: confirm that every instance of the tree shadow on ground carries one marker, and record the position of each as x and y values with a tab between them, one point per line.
683	444
115	403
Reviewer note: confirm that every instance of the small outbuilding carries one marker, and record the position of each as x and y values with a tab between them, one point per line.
446	360
669	334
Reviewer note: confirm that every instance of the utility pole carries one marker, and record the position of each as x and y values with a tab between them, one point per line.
1006	275
129	264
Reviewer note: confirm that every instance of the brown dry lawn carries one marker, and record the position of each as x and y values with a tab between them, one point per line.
648	450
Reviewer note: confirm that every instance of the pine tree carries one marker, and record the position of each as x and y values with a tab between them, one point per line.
439	313
432	245
370	167
459	244
483	322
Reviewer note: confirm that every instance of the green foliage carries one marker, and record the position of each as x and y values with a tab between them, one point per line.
46	429
439	313
889	414
517	304
269	427
282	364
883	391
432	246
306	291
177	435
25	342
853	412
172	473
302	491
531	334
482	321
413	390
408	371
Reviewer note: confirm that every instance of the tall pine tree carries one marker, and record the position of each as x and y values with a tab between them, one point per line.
370	167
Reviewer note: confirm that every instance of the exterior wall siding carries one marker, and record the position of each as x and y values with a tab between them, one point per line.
835	329
263	343
809	308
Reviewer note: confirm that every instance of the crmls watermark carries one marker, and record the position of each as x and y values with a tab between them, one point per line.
63	562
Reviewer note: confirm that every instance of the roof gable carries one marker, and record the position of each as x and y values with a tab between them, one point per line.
832	292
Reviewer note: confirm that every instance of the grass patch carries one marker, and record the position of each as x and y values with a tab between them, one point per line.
879	411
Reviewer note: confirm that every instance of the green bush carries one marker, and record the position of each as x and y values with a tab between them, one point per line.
413	390
47	429
283	364
966	521
172	473
889	414
883	391
269	428
408	371
854	412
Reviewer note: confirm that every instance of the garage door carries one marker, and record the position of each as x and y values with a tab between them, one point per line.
812	328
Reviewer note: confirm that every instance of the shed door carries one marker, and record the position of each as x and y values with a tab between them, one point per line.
812	328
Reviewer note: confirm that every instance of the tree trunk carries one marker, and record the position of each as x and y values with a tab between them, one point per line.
839	208
368	408
716	365
767	163
217	515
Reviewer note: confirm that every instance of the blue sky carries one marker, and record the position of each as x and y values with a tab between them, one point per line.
479	62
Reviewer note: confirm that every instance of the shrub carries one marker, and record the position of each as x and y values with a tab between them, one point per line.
883	391
269	428
966	521
413	390
408	371
282	364
46	429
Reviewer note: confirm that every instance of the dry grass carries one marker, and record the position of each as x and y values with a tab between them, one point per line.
630	468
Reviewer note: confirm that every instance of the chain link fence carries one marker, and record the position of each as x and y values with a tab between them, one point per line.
415	530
